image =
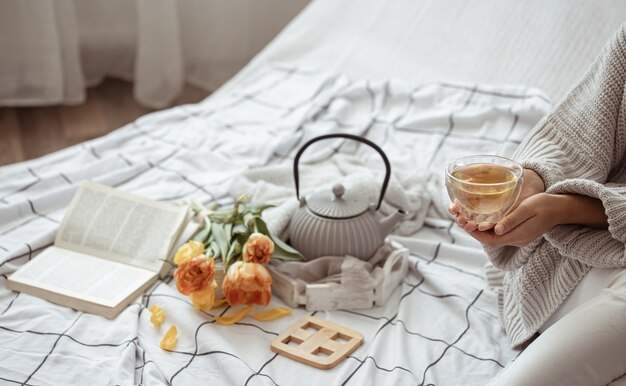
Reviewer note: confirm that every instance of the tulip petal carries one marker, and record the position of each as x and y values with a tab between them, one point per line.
203	300
169	339
234	317
158	315
188	251
272	314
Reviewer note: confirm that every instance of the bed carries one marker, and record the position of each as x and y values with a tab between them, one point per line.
338	67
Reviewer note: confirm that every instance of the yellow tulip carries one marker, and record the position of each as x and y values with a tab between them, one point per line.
188	251
169	339
203	300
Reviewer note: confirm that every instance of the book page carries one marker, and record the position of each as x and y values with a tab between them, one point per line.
81	276
114	225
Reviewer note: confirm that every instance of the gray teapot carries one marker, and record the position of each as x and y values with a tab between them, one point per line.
337	222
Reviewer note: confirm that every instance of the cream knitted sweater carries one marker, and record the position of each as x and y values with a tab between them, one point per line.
578	148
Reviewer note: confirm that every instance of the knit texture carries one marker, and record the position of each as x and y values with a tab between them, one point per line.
579	149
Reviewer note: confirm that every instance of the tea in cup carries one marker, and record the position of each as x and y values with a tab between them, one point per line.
484	187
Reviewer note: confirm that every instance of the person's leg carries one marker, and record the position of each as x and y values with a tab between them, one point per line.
585	347
589	287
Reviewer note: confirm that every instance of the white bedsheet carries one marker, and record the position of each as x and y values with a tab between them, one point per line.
440	327
543	44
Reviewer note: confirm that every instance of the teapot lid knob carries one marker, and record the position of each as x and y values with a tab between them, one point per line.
337	203
338	190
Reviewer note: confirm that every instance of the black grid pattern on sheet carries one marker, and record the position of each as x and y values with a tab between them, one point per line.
132	170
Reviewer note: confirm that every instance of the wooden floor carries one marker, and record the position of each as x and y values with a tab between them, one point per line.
30	132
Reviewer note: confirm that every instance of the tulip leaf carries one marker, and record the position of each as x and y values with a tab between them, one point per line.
234	250
215	250
220	238
261	225
282	250
221	217
239	229
203	235
228	229
282	254
248	220
242	238
196	206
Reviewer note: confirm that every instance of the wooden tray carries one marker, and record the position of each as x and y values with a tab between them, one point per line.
316	342
326	297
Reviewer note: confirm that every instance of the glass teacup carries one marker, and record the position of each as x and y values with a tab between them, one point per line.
484	187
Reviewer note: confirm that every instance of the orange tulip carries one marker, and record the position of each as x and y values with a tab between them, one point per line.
195	275
258	249
247	283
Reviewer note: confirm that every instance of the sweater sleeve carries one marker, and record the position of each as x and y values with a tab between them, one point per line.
509	258
583	138
595	247
585	135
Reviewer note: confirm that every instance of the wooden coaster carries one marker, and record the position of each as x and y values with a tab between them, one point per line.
316	342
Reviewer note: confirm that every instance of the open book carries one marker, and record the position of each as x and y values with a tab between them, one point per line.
110	247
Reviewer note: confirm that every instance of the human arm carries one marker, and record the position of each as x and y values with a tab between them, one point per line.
581	219
578	149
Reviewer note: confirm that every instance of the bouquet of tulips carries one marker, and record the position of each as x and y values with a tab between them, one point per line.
239	239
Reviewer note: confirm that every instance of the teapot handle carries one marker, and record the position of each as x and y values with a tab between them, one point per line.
347	136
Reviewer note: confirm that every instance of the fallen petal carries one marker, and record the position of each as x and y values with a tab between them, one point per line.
272	314
158	315
169	339
234	317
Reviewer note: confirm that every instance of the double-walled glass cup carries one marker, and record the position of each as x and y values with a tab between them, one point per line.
484	187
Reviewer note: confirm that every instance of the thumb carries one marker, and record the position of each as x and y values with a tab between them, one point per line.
512	220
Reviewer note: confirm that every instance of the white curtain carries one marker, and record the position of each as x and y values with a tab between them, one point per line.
51	50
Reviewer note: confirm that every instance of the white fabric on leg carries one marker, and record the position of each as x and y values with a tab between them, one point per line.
585	347
590	286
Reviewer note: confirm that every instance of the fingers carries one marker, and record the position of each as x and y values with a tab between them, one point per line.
519	237
513	219
487	238
463	223
492	240
485	226
470	227
467	226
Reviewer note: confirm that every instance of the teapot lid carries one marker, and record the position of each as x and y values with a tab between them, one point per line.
338	203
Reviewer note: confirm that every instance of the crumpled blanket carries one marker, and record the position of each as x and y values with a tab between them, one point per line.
275	184
439	327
